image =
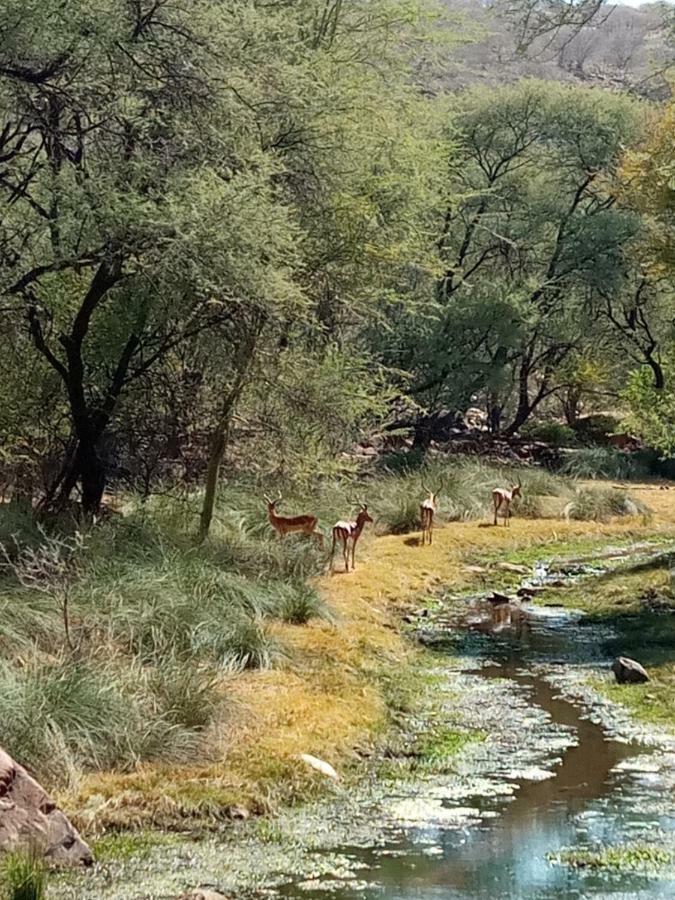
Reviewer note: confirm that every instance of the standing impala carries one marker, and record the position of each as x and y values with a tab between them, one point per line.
284	525
349	531
427	511
502	497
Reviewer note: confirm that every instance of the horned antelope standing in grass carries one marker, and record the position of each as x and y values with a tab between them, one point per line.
349	531
502	498
284	525
427	512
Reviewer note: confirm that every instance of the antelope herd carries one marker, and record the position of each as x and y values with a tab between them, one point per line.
347	531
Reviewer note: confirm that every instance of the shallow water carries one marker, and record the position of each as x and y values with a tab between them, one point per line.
594	790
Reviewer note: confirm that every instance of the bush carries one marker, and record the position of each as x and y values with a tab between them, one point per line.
298	602
69	716
596	428
554	433
605	462
24	876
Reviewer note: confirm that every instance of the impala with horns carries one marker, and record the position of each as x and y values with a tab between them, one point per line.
428	508
284	525
349	533
502	498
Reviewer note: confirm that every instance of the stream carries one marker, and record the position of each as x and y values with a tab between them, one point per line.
590	788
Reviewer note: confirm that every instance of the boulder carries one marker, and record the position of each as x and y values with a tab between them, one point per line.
628	671
29	817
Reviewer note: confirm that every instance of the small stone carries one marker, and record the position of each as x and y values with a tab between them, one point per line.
529	591
239	813
628	671
320	765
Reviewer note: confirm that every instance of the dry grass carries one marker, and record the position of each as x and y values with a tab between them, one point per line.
327	699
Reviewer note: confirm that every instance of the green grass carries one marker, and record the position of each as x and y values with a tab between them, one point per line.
626	857
439	746
117	847
23	876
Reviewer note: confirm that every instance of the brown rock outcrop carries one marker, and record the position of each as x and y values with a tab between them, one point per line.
30	818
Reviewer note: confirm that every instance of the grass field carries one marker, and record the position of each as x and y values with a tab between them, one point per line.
199	674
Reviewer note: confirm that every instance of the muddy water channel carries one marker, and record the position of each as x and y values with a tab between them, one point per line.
564	774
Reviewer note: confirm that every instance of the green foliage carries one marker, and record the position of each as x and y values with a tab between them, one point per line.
526	241
652	410
596	428
23	876
551	432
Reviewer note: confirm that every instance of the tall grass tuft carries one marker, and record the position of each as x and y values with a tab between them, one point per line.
605	462
602	504
23	876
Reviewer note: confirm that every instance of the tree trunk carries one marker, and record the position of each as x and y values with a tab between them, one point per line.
525	407
220	438
422	433
217	452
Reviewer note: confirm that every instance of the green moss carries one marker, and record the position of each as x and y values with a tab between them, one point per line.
438	747
115	847
624	857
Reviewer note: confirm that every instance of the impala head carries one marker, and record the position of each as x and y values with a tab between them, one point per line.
516	490
271	504
431	495
364	515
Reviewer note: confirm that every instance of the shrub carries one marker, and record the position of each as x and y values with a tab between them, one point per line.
298	602
63	717
596	428
554	433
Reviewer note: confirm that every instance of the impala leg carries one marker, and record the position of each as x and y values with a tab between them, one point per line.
507	516
353	553
345	553
332	553
497	503
431	530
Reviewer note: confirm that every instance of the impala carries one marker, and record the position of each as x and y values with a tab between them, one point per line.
502	497
349	531
427	511
284	525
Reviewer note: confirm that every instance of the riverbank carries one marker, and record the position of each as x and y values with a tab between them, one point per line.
457	765
344	679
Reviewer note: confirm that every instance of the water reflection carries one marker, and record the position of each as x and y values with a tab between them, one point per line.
586	802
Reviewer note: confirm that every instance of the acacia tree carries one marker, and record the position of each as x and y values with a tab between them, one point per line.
138	206
645	314
532	239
